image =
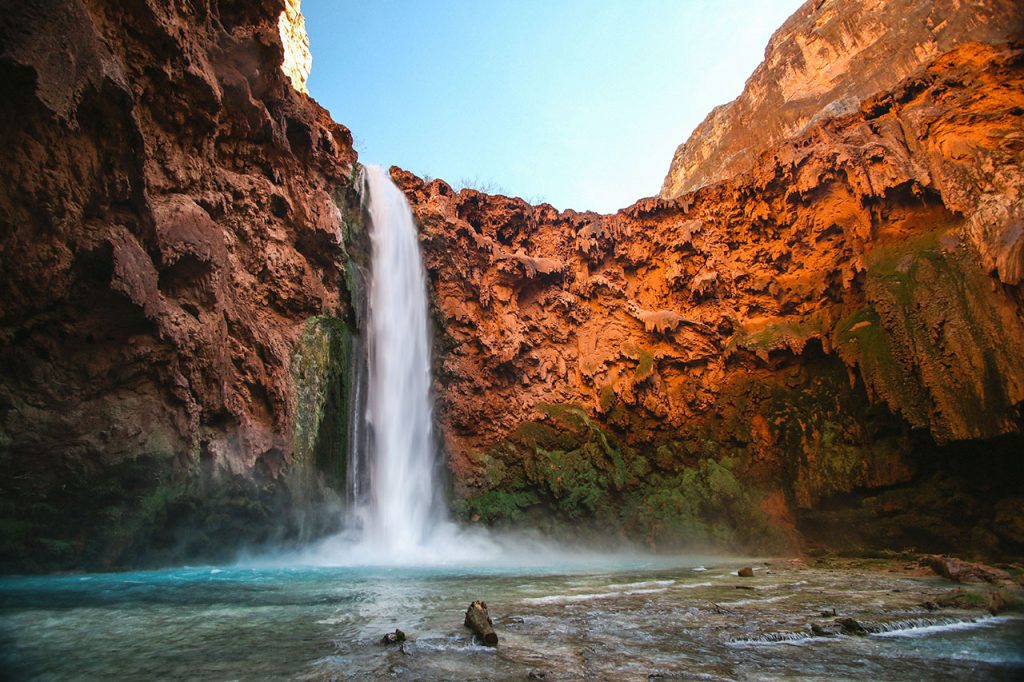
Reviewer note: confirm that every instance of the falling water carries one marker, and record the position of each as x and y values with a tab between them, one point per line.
401	510
397	512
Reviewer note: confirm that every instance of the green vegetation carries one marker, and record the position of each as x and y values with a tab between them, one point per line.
497	506
933	340
645	364
321	373
781	335
703	504
571	469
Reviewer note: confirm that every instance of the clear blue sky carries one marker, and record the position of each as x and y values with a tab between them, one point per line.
580	103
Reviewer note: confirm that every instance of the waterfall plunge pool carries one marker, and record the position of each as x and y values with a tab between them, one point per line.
621	618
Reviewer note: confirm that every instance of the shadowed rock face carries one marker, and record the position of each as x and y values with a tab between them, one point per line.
171	218
812	326
823	62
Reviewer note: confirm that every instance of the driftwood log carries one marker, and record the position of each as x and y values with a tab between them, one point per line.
480	623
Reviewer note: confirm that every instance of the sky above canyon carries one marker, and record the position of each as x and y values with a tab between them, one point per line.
579	103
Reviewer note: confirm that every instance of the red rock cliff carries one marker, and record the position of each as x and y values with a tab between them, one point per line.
841	320
745	351
172	219
823	62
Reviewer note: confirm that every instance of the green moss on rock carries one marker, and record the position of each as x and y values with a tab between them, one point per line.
645	364
936	340
497	506
790	335
707	504
320	371
572	469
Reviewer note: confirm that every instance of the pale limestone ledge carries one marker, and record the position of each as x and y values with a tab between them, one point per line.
297	59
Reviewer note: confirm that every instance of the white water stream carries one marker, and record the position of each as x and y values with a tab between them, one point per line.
402	511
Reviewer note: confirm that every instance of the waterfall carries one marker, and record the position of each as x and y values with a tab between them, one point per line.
397	514
400	511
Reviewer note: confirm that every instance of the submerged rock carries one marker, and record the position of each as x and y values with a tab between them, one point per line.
1002	600
850	626
824	630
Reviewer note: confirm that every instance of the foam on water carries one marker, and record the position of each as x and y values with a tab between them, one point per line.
922	627
570	598
642	584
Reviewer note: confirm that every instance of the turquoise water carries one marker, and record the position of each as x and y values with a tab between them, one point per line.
665	619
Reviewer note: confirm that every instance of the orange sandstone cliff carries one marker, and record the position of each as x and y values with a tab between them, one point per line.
823	62
841	319
814	338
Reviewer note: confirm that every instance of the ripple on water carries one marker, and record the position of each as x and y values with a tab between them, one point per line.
641	584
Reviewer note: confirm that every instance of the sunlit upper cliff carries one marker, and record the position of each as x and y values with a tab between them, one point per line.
297	59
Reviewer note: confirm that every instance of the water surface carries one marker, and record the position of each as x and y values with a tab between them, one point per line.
645	619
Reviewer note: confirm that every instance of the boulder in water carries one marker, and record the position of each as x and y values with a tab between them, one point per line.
396	637
1000	601
745	572
851	627
965	571
824	630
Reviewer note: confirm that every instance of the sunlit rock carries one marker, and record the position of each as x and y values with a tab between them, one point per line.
298	61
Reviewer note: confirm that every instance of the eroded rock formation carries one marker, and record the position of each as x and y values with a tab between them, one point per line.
714	365
826	345
823	62
173	248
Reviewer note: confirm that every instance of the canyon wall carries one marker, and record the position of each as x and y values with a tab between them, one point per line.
174	313
832	324
824	347
823	62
